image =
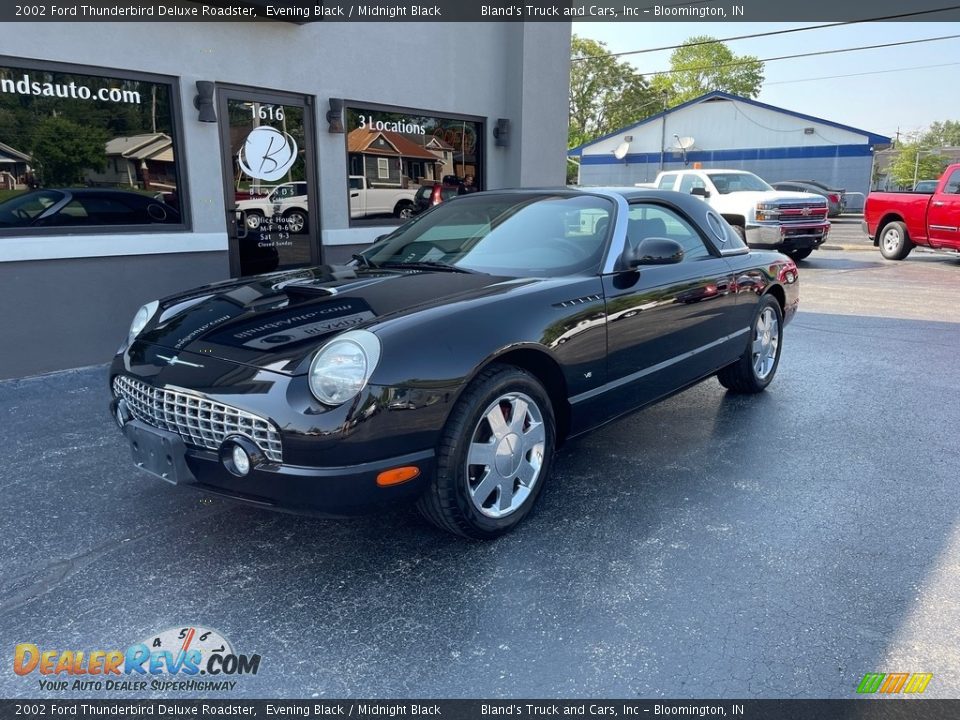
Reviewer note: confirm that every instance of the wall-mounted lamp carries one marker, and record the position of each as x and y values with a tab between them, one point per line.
203	101
501	133
335	116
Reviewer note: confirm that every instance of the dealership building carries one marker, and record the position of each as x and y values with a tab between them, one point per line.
139	159
720	130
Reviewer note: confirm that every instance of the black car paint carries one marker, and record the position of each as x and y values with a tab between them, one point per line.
603	345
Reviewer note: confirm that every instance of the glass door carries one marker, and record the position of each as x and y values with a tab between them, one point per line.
267	144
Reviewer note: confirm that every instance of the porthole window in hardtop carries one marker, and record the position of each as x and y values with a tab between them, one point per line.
86	149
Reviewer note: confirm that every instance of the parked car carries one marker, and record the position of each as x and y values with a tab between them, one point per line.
430	195
926	186
899	221
366	200
75	207
836	199
451	358
285	205
794	223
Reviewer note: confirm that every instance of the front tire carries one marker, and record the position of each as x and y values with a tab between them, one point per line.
895	243
494	457
296	221
754	370
798	255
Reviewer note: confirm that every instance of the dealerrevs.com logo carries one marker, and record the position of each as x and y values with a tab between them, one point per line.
187	659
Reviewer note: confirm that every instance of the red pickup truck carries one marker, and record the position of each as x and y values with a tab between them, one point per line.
899	221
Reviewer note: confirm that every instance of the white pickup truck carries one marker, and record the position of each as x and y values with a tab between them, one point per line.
794	223
285	205
365	200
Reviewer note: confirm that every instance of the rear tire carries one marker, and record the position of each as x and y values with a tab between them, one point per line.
758	364
894	241
404	210
494	457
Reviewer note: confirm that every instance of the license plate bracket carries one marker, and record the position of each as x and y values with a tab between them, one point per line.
159	452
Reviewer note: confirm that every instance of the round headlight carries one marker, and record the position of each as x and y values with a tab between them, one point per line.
342	367
141	319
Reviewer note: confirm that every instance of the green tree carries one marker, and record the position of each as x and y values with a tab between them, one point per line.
605	93
942	134
905	167
702	64
62	150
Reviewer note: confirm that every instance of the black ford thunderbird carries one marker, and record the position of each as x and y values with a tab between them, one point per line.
448	361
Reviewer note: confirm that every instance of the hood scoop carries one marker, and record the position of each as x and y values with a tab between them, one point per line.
300	292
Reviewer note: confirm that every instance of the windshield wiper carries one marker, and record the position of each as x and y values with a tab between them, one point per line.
364	261
428	265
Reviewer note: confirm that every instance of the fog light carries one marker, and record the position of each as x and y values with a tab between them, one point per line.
241	461
239	455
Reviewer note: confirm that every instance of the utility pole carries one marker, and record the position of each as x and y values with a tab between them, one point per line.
663	131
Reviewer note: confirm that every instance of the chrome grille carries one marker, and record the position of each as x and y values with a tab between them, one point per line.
794	212
199	421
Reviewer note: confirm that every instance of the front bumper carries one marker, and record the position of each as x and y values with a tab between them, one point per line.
325	491
328	459
787	237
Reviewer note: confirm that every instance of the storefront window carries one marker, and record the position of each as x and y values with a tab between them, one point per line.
403	162
83	151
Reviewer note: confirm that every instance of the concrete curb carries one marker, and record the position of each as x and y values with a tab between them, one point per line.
857	246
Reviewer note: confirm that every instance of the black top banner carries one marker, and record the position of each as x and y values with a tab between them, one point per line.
879	709
307	11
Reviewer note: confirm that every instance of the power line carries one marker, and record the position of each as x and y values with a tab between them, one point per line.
767	34
738	63
871	72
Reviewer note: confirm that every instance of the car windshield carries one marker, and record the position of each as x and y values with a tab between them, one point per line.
513	234
737	182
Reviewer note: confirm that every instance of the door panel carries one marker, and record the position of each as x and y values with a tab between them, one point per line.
267	146
943	215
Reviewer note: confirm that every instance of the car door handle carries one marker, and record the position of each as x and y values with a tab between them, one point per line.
938	203
354	194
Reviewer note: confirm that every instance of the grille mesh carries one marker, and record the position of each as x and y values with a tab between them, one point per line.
199	421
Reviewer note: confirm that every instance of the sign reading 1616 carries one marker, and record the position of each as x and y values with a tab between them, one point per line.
266	112
400	126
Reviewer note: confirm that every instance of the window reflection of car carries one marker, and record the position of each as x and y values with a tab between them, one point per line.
286	205
926	186
430	195
85	207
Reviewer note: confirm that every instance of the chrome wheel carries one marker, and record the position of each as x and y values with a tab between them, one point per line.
296	221
766	340
254	220
892	240
506	455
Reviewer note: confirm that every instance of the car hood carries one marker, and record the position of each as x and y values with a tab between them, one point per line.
276	321
779	196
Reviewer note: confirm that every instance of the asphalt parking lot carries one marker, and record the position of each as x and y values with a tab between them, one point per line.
774	546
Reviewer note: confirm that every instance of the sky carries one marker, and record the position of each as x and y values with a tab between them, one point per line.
908	99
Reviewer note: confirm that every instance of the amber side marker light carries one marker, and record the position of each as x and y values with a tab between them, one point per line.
397	475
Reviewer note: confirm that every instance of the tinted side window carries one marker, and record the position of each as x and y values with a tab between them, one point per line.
953	183
657	221
689	182
667	181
